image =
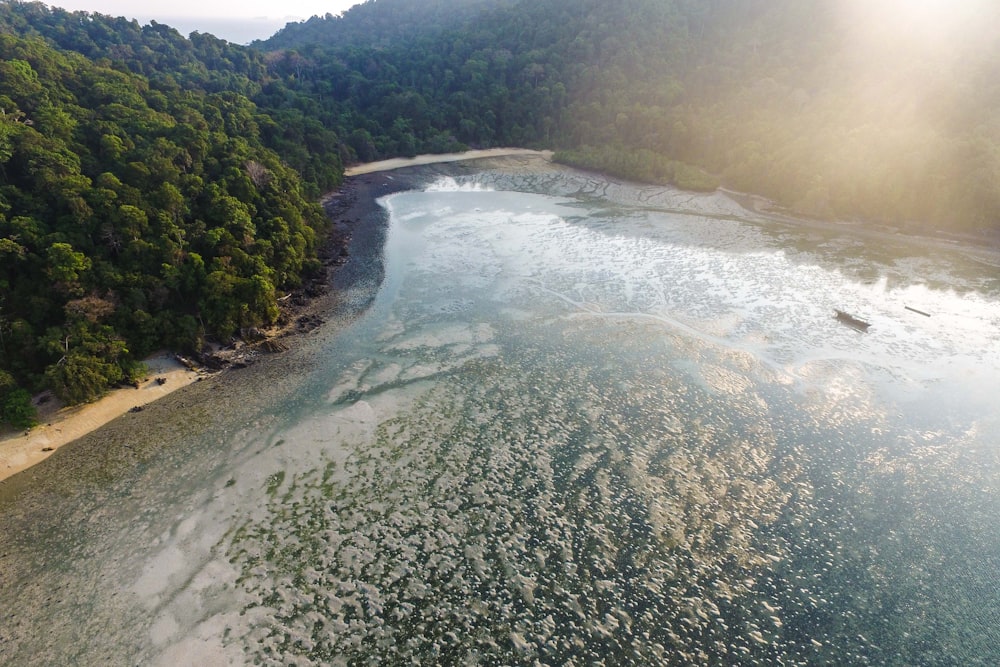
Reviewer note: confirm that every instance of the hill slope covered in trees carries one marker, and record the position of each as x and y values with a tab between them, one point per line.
135	213
881	111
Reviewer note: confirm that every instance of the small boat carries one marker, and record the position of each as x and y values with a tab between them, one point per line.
851	321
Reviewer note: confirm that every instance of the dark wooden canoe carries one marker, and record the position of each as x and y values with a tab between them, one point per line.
851	321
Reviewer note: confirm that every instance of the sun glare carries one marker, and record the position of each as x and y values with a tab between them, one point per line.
894	33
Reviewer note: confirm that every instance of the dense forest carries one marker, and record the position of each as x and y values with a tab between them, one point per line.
159	190
837	108
137	210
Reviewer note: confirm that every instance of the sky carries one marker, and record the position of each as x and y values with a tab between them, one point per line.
238	21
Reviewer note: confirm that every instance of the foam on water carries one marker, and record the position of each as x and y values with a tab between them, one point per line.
449	184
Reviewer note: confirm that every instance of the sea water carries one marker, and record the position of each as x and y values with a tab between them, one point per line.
579	425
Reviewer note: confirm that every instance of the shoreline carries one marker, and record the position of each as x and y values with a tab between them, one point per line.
60	425
985	247
351	254
429	159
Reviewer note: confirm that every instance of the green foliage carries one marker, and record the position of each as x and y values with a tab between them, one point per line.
17	410
370	25
82	377
93	356
121	179
15	404
133	371
65	264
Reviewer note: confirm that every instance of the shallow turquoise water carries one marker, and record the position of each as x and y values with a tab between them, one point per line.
600	430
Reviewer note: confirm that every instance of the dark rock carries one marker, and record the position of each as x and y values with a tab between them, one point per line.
272	346
213	362
253	334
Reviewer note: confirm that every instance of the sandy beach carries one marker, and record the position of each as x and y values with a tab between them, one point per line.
61	425
421	160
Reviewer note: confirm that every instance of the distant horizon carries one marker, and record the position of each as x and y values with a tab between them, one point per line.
237	30
240	22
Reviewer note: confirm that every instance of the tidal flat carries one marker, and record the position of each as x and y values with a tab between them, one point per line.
553	419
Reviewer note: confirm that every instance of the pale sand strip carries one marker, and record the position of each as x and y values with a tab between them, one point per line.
60	426
420	160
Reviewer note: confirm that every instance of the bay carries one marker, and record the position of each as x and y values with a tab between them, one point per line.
580	422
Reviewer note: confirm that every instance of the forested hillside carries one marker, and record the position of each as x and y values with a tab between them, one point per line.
379	24
881	111
157	189
135	213
202	63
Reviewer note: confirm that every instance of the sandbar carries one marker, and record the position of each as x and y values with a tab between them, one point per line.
421	160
